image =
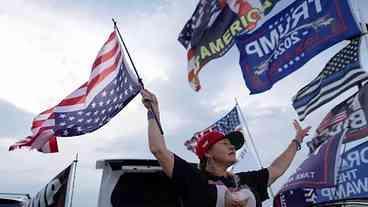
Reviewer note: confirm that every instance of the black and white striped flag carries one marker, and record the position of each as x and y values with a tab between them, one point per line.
341	73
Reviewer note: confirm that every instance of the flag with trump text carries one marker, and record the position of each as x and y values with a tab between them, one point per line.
336	168
289	39
111	86
210	32
341	73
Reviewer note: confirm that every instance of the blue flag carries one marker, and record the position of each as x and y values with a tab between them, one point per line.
291	38
336	169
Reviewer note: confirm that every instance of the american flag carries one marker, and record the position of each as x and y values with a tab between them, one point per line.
336	116
341	73
110	88
322	135
229	123
331	119
193	33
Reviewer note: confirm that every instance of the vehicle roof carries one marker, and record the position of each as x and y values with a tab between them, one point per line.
117	164
14	196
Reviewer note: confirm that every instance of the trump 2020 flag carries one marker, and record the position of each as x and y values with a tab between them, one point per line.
291	38
341	73
54	194
110	88
336	169
210	32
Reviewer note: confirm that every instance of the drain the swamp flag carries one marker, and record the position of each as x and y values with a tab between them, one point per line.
291	38
336	169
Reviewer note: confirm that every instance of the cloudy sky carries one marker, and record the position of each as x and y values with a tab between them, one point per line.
47	49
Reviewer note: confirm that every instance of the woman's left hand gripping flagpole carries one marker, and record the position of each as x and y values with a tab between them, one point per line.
148	101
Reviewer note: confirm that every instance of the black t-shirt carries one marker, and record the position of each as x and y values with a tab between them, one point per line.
195	190
192	186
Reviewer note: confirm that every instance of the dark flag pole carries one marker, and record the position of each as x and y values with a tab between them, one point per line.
136	72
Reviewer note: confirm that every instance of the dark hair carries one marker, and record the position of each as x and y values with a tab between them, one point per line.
203	164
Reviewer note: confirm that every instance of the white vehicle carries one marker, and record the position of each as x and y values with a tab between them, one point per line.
13	199
135	183
141	183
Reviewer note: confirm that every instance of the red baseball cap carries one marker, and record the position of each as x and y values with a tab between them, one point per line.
206	141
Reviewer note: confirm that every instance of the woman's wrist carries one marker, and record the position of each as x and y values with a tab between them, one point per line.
150	115
298	144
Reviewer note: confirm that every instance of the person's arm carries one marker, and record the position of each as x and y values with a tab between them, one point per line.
156	140
282	163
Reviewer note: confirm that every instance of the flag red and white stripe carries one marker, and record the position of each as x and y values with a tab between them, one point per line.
193	70
42	137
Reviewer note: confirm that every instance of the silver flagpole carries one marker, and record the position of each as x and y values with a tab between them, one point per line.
362	22
248	132
72	176
244	122
355	5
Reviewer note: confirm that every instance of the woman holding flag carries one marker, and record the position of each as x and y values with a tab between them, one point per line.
212	185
